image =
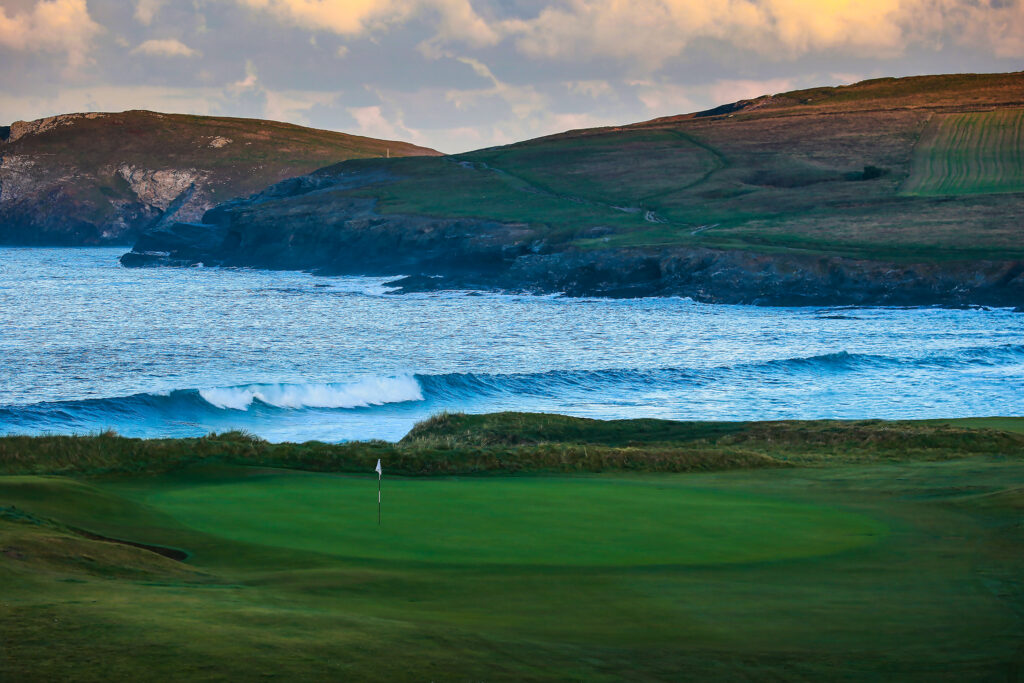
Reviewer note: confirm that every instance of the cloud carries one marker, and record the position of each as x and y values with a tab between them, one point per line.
59	26
146	10
662	98
250	82
110	98
372	123
165	48
595	89
651	32
522	100
294	106
995	24
454	20
728	90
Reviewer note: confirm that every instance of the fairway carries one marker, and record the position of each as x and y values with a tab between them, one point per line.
974	153
851	573
524	521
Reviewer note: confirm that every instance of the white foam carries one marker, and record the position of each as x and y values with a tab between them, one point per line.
370	391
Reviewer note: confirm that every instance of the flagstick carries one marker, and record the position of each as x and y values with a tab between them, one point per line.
378	498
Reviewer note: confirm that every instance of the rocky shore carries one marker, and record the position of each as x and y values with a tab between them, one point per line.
313	223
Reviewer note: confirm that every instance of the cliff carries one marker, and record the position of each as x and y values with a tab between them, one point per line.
104	178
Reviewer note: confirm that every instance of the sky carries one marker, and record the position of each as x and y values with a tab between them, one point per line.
457	75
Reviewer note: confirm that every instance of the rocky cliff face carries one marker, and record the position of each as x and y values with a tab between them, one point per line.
99	178
315	223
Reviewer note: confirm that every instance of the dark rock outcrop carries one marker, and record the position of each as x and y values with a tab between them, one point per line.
314	224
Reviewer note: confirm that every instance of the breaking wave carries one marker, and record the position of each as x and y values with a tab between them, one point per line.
219	408
371	391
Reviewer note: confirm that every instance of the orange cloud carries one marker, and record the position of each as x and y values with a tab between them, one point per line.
165	48
653	31
455	19
61	26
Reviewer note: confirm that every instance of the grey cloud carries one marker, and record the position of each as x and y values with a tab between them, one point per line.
440	97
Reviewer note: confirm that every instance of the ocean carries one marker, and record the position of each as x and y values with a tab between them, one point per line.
86	346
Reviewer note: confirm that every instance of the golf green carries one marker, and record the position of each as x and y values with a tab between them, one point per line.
584	521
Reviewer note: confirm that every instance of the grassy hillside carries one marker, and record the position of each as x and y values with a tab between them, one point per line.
878	562
108	175
829	170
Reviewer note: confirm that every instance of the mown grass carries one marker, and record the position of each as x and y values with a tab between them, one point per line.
848	550
882	571
977	153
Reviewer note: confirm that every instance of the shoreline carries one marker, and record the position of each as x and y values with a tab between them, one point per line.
443	261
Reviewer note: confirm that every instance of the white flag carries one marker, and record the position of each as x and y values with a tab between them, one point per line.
379	471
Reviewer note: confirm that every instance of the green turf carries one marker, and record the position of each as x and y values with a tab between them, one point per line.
881	551
270	590
531	521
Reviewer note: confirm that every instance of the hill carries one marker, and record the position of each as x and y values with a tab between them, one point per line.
889	191
100	178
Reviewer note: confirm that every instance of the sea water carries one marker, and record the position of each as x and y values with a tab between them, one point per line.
86	345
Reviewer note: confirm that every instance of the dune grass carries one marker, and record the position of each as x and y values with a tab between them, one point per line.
504	443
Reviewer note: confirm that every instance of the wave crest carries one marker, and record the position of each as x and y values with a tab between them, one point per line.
370	391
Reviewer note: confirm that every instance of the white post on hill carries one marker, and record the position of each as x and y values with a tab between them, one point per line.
380	474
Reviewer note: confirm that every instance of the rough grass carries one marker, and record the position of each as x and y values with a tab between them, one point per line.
451	444
977	153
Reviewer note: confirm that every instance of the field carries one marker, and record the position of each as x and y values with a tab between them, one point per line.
969	154
854	558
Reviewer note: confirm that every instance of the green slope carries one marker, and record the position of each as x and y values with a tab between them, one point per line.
817	171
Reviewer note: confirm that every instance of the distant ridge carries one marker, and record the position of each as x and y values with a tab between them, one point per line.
103	178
